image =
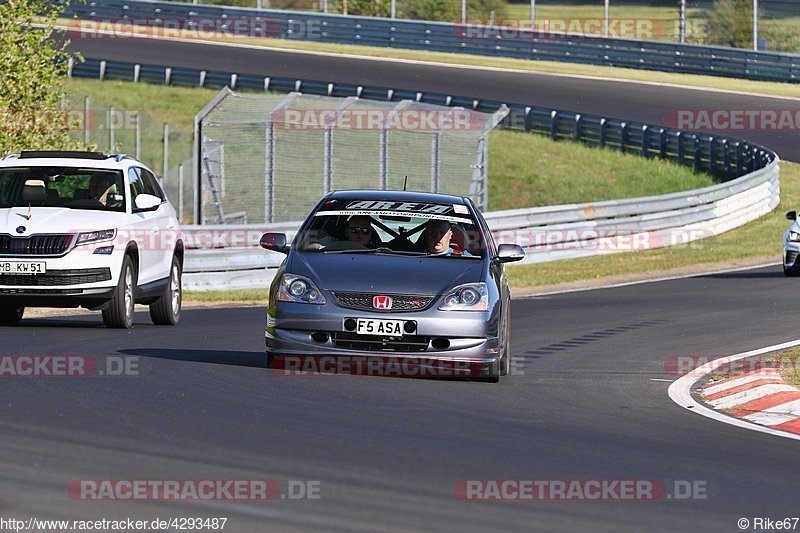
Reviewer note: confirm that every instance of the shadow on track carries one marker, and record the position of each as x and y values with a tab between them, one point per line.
747	275
217	357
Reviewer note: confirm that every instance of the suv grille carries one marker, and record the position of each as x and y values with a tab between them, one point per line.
35	245
57	278
400	302
406	343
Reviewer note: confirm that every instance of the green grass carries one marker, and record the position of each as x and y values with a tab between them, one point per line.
789	363
531	170
757	239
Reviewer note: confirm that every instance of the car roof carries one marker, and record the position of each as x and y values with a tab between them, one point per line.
399	196
68	159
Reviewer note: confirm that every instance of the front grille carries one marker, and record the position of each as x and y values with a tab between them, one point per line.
400	302
35	245
406	343
57	278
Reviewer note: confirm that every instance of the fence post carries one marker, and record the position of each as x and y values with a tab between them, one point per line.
435	161
166	152
138	137
111	138
384	159
269	172
683	21
180	191
327	160
86	120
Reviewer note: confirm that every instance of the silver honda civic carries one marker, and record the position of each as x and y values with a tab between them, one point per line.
391	283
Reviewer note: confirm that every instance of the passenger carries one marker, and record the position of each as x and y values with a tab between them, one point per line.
360	231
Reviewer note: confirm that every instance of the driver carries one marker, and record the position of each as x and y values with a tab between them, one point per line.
437	236
100	186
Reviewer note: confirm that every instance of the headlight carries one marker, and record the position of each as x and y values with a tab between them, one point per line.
469	297
794	236
96	236
300	290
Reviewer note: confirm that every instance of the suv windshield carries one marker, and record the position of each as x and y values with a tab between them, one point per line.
73	188
390	227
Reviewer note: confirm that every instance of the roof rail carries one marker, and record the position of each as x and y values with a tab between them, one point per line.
65	154
10	155
119	157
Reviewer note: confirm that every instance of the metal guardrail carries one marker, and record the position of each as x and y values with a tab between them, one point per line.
456	38
228	257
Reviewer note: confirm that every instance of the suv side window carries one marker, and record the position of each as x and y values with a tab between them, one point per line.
151	184
136	185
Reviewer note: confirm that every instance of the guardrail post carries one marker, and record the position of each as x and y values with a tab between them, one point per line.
681	154
578	126
726	156
528	119
554	125
622	134
697	154
712	156
602	140
645	141
102	75
662	147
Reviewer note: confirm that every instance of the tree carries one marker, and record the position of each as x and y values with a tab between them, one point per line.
730	23
32	68
366	8
439	10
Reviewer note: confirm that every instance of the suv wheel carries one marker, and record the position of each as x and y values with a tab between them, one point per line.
166	311
10	315
119	313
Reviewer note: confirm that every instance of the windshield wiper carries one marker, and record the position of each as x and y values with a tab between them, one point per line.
380	250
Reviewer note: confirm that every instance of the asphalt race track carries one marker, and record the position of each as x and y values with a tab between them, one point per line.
387	451
587	401
632	101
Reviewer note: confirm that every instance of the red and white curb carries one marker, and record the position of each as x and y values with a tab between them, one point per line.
758	400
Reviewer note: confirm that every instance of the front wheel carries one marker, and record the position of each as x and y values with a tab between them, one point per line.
119	313
10	315
166	311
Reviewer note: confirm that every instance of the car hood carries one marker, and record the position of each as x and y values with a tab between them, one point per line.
56	220
385	273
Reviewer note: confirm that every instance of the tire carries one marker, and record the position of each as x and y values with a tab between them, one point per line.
505	362
166	311
119	313
11	315
791	272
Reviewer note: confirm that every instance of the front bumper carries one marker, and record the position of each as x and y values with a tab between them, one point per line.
79	278
444	341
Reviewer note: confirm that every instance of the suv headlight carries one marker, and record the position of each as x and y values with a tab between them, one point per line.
794	236
96	236
299	289
468	297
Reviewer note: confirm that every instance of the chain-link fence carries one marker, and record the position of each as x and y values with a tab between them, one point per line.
269	158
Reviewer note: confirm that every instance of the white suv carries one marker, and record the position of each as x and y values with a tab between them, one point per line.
87	229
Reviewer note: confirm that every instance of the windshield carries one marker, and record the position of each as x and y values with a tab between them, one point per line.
390	227
73	188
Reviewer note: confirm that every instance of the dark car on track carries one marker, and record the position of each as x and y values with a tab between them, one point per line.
407	277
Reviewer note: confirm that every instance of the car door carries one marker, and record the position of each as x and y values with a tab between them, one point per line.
146	230
166	224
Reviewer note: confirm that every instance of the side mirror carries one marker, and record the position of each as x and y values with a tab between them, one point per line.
791	215
508	253
146	202
275	242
